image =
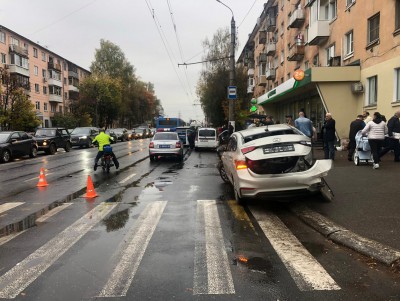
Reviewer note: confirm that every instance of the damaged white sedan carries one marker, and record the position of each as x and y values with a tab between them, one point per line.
273	161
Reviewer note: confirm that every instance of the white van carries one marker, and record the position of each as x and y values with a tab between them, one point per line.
206	138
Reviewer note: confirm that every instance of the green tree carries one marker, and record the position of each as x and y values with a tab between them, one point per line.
66	120
22	115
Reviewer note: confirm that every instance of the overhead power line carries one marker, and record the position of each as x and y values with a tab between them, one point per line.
248	13
206	61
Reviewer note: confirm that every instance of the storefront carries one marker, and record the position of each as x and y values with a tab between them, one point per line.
323	89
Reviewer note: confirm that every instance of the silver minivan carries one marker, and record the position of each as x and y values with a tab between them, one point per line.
206	138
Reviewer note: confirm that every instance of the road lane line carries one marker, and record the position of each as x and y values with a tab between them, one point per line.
24	273
52	212
138	238
127	178
306	271
8	206
211	253
9	237
36	178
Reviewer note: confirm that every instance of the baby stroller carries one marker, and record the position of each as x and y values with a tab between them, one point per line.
362	153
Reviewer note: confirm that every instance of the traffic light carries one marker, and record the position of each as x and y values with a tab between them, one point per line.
253	105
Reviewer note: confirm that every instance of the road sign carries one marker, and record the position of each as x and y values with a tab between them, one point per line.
232	92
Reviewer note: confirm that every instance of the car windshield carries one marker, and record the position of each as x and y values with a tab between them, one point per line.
269	134
45	133
206	133
166	136
80	131
3	137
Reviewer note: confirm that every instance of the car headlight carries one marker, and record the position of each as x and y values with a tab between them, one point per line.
83	137
44	142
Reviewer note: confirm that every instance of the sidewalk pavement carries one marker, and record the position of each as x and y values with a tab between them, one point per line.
366	201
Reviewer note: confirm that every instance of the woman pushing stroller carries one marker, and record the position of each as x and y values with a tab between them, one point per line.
375	130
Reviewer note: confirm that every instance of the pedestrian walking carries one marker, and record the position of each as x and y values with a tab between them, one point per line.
355	126
393	137
329	136
304	125
376	131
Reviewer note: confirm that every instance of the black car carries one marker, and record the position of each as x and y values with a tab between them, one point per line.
111	133
122	134
16	144
83	136
51	139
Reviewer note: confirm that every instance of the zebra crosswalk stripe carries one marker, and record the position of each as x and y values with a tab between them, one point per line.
305	270
212	273
24	273
8	206
138	239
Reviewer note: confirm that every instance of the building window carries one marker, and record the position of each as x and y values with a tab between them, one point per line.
44	90
288	76
262	69
65	80
55	90
372	90
282	56
330	53
328	10
397	16
65	95
37	105
282	28
19	61
36	70
306	65
281	80
37	88
397	75
65	66
276	62
316	60
44	73
3	58
43	56
373	28
45	107
35	52
349	2
2	37
349	43
53	108
14	41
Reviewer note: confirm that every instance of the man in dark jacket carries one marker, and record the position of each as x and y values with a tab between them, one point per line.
393	132
355	126
329	136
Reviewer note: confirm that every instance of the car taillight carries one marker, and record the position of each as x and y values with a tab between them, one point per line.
178	145
151	145
239	164
248	149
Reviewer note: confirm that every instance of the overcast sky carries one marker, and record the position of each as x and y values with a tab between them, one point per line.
73	29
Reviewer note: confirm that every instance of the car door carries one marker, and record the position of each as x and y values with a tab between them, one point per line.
16	145
228	157
26	144
65	136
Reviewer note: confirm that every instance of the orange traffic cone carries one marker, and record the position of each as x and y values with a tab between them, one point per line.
90	192
42	179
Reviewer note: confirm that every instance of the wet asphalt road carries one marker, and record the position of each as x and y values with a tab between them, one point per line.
170	231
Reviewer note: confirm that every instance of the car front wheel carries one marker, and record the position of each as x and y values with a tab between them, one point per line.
67	147
33	152
6	156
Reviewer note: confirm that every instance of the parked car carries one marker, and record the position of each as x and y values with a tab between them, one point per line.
83	136
16	144
206	138
122	134
272	160
50	140
111	133
165	144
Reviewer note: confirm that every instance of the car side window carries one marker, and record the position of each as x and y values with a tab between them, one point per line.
64	132
24	136
232	144
15	136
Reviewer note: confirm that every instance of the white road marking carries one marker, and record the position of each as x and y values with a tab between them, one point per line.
138	238
127	178
8	206
25	272
7	238
37	178
305	270
210	255
53	212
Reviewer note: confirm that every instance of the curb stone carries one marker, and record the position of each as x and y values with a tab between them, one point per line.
338	234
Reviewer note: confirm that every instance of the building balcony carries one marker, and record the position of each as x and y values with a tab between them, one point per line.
55	98
54	66
262	58
270	49
250	89
250	72
19	50
270	25
318	32
296	52
73	95
73	88
54	82
262	37
19	70
262	80
73	74
270	74
297	18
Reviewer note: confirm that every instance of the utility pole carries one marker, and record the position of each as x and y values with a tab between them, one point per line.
232	71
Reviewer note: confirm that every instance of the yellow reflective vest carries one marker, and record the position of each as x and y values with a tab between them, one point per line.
102	139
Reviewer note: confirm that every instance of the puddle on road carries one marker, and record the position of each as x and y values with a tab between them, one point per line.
254	264
116	221
201	165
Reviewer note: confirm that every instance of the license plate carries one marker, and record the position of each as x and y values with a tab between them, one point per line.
164	146
278	149
203	140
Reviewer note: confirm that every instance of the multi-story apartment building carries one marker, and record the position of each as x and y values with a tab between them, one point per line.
349	51
50	80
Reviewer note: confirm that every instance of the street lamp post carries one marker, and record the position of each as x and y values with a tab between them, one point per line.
231	114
